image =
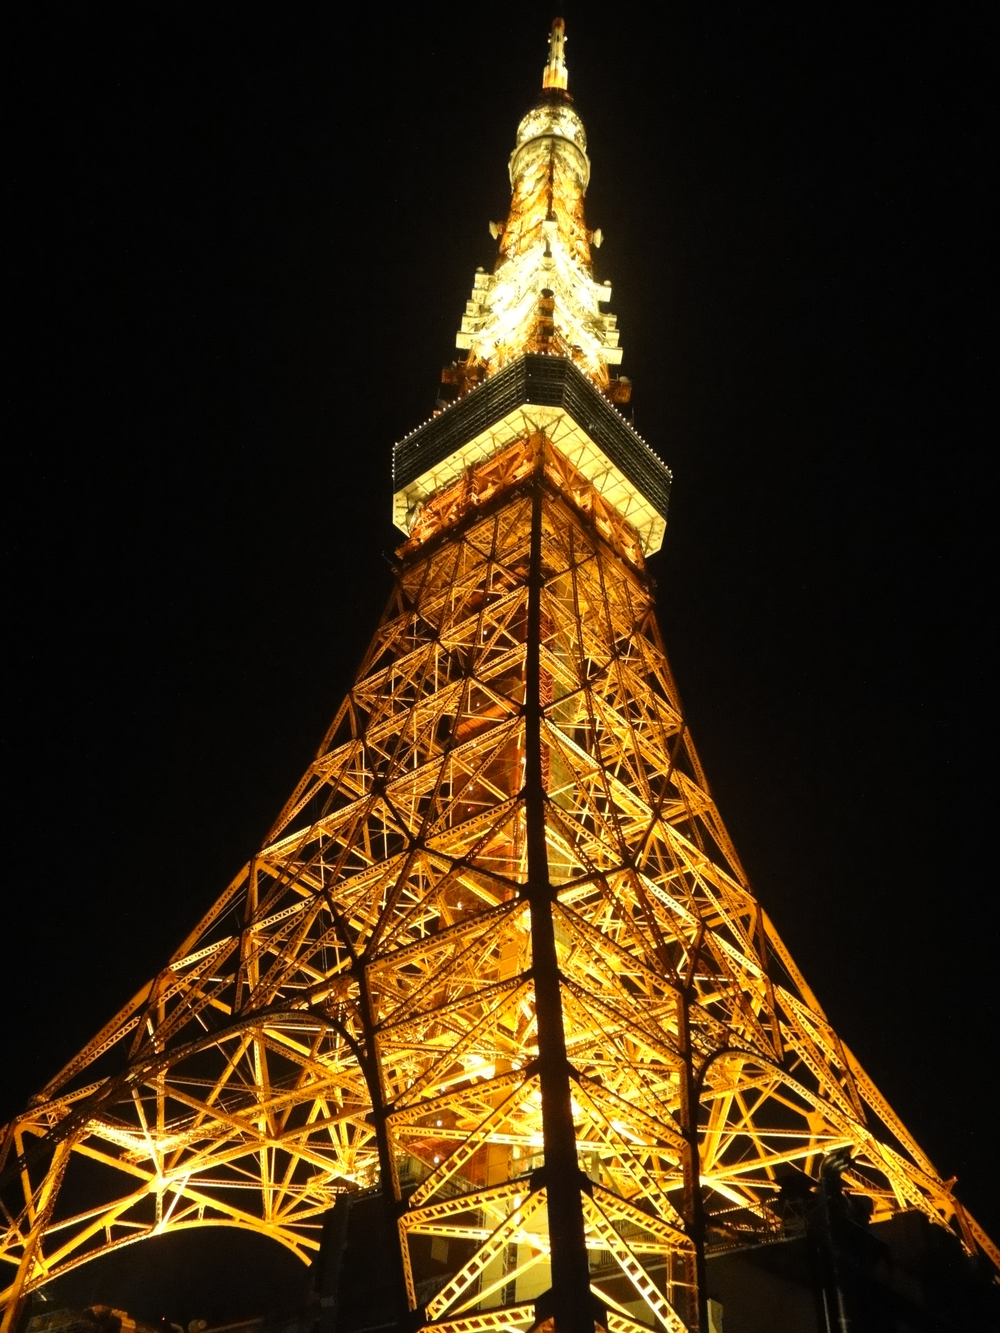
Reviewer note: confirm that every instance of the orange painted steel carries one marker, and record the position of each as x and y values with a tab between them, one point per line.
497	956
372	966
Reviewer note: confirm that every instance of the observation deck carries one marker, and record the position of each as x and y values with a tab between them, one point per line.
536	393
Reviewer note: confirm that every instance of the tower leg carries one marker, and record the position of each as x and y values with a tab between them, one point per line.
46	1202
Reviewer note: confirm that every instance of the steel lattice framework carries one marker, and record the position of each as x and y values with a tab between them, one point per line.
508	813
497	957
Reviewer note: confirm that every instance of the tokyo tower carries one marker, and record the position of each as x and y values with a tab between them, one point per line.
497	964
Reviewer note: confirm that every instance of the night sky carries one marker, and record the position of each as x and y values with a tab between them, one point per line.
245	237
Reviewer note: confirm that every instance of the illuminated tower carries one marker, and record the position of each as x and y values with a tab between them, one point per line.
498	956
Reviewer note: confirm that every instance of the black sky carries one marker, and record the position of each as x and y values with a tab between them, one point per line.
244	239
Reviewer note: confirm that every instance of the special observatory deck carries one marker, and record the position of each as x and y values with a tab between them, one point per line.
536	393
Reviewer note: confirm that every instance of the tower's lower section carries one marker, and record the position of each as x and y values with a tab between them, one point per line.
826	1269
498	961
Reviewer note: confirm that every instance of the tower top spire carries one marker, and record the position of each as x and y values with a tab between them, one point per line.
555	74
542	296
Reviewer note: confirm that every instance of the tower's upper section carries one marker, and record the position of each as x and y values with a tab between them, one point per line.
535	382
541	295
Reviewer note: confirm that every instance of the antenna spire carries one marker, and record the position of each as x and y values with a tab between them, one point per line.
555	75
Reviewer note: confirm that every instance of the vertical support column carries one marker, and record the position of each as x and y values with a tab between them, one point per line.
573	1306
694	1208
392	1203
367	1056
44	1206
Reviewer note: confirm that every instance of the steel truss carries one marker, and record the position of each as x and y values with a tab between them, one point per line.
498	955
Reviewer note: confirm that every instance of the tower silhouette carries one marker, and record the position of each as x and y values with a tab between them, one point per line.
498	958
